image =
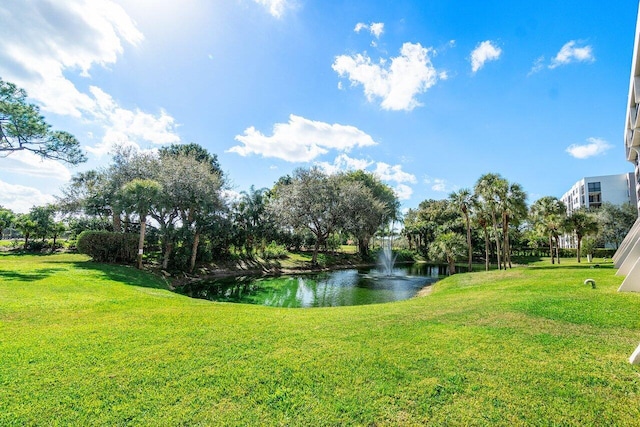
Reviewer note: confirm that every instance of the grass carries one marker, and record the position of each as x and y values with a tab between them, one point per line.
89	344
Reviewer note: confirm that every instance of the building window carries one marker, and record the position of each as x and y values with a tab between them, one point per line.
593	186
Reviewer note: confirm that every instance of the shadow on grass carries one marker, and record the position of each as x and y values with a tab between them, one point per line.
34	276
573	266
128	275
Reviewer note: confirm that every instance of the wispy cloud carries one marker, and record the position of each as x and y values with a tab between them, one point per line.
594	147
572	52
275	7
438	184
375	28
397	81
485	51
300	140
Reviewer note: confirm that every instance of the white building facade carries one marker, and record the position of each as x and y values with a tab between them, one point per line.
593	191
632	120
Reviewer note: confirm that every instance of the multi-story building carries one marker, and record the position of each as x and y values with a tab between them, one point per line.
627	257
632	122
593	191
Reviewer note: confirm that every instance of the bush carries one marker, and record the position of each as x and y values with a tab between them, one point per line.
274	251
107	246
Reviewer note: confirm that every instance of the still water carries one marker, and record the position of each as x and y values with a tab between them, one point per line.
327	289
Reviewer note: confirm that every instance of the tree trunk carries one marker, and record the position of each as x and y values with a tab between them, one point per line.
53	247
497	238
26	241
194	251
578	249
316	248
557	250
117	222
143	226
486	248
551	249
452	265
470	249
168	249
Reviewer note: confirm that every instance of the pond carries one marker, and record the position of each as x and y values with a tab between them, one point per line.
327	289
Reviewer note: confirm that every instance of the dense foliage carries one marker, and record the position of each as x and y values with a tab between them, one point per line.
107	246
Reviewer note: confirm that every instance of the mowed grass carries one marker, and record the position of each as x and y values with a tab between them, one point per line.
89	344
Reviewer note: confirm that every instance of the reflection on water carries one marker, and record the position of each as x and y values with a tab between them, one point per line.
336	288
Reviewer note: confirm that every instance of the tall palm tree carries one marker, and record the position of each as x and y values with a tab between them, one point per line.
483	219
581	223
463	199
489	188
548	213
514	208
139	195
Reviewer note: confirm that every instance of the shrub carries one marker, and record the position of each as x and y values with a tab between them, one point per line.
274	251
107	246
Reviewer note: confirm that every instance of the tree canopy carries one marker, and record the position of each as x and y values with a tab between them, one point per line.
23	128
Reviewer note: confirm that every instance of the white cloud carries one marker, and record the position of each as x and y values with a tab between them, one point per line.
375	28
276	7
594	147
30	164
344	163
403	192
397	82
126	127
300	140
571	52
20	198
44	40
393	173
484	52
438	184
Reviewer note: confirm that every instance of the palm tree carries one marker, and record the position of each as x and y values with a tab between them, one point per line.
581	223
139	196
514	208
463	199
449	247
482	218
548	214
489	188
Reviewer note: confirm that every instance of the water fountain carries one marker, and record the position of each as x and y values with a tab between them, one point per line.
386	258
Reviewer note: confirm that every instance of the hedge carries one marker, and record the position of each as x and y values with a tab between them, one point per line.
107	246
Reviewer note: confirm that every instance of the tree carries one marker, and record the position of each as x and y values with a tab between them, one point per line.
56	230
547	215
582	223
7	217
490	188
251	217
482	218
139	195
448	247
514	209
372	206
26	225
464	200
362	212
23	128
192	188
614	222
310	200
43	218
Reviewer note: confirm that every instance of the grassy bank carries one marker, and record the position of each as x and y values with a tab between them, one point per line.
87	344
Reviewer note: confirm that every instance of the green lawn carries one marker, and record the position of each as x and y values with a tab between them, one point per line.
87	344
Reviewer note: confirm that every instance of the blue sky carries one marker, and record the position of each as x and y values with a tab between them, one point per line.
428	95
